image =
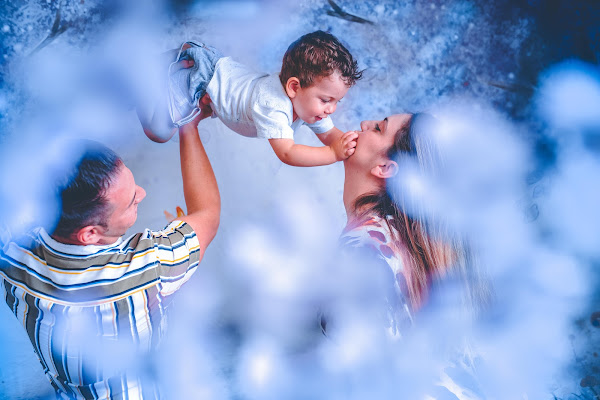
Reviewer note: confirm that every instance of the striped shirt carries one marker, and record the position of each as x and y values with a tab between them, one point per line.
95	313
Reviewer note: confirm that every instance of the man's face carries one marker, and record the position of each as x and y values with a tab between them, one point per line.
123	197
317	101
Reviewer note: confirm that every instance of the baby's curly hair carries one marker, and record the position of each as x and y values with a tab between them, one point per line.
315	55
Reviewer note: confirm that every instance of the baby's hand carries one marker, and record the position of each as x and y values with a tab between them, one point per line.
344	146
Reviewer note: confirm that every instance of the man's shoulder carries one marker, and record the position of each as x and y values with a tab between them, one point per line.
174	229
27	239
27	242
75	274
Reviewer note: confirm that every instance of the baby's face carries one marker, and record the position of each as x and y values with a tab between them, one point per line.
313	103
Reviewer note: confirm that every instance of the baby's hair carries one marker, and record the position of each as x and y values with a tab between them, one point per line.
316	55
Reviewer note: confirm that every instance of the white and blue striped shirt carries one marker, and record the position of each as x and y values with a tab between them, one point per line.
95	313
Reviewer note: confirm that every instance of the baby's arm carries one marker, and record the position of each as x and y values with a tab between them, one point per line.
331	135
339	148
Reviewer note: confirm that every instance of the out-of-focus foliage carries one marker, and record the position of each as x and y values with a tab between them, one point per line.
521	181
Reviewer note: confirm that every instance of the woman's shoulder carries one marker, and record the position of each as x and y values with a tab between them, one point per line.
370	241
369	231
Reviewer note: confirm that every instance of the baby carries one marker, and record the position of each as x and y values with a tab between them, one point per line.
316	73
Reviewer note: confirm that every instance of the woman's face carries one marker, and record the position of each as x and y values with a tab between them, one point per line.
375	138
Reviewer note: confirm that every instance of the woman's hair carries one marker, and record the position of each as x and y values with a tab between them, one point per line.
424	242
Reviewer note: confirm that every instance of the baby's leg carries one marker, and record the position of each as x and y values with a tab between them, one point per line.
154	108
152	105
185	85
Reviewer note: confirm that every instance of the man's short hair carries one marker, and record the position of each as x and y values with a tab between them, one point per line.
315	55
83	192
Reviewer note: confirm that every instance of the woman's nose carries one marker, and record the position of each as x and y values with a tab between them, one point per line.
364	125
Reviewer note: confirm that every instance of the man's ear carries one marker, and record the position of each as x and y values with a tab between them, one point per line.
385	170
292	86
88	235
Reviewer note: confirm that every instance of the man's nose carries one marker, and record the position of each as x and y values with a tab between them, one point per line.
141	194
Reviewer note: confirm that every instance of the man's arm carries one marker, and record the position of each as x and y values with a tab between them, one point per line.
298	155
199	186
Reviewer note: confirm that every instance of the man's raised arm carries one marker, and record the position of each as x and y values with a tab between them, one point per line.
199	186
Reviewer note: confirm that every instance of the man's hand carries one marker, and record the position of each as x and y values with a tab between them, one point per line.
170	217
204	106
345	145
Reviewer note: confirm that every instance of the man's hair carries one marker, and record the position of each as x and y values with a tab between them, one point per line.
315	55
83	191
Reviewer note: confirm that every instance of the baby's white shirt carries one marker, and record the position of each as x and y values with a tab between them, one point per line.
254	104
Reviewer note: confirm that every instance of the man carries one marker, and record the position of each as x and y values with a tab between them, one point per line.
92	303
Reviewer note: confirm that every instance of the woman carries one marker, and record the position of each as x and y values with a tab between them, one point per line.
391	232
386	223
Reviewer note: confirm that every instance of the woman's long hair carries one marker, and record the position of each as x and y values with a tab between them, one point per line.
422	241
